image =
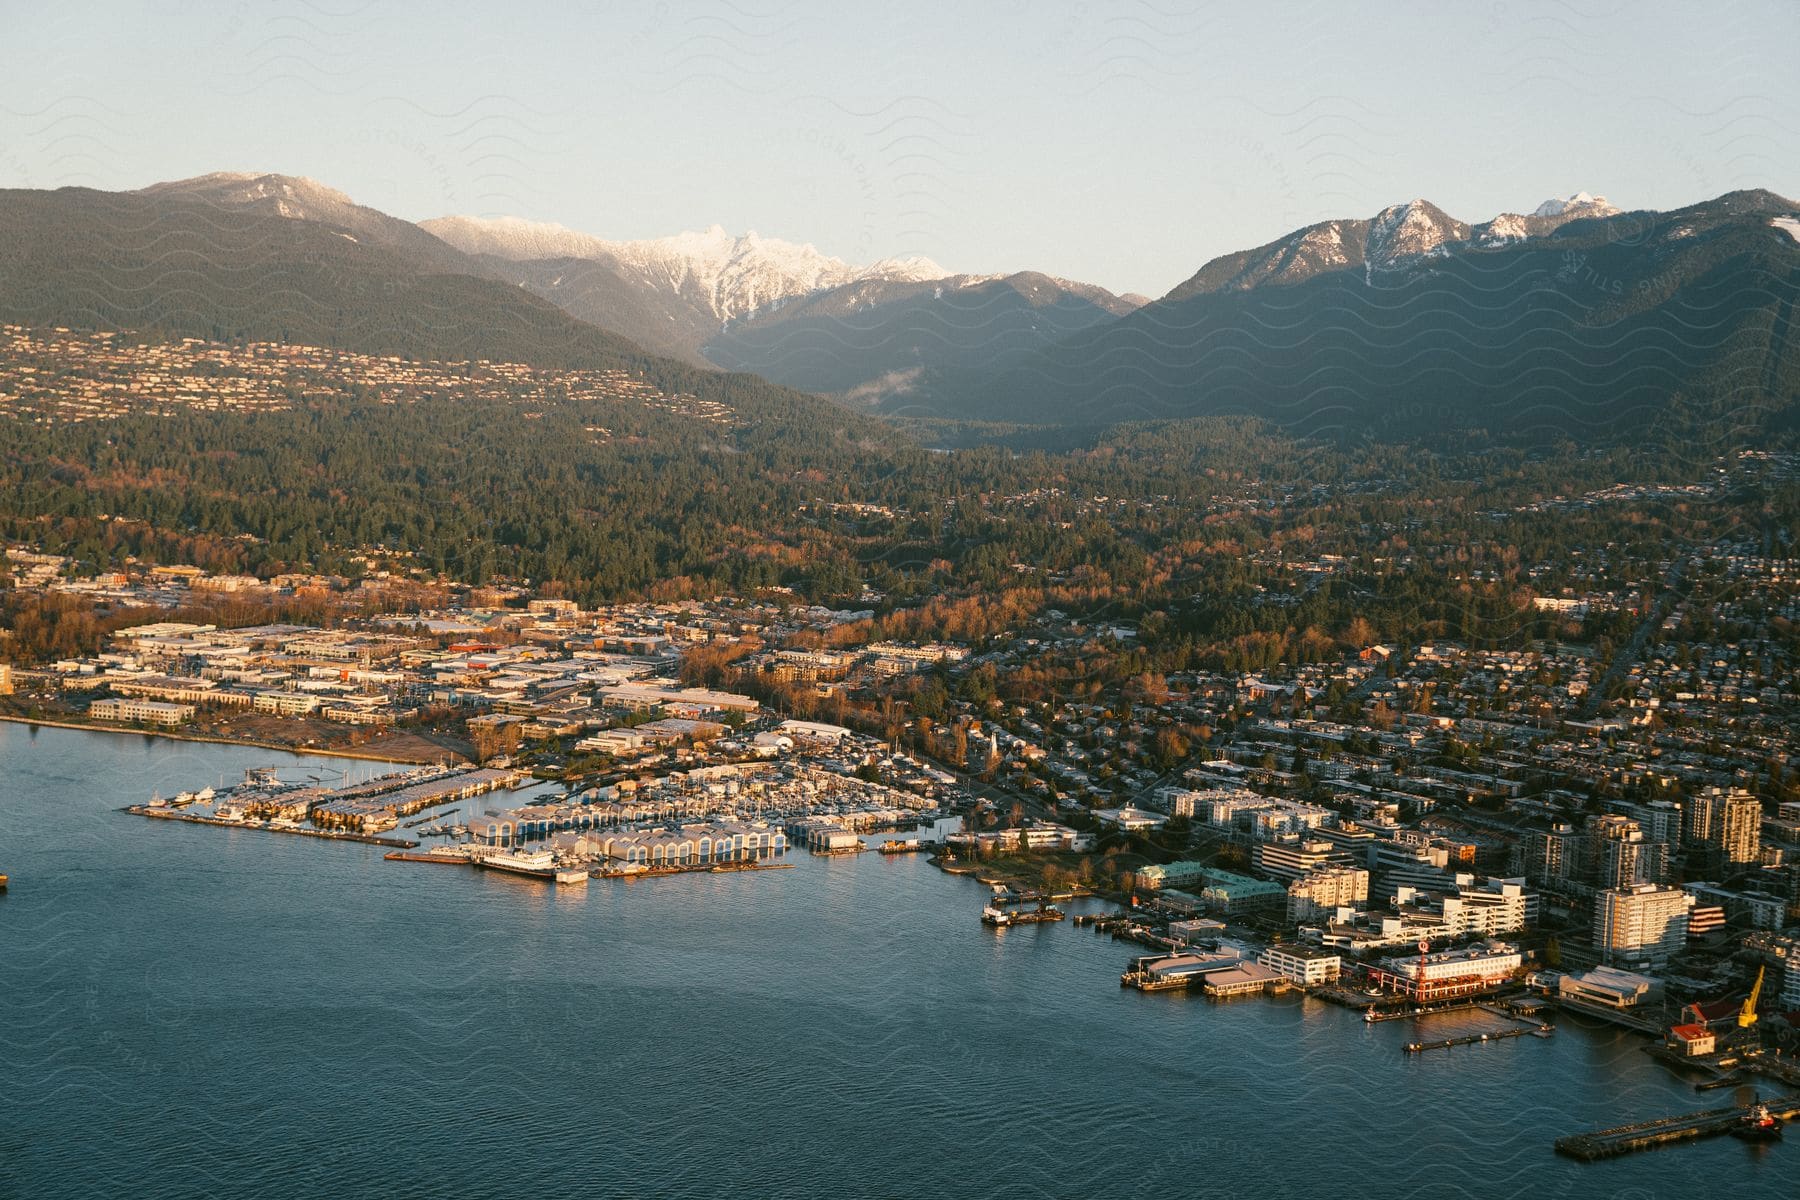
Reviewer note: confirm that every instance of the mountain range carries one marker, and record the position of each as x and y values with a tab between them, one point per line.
782	310
1575	317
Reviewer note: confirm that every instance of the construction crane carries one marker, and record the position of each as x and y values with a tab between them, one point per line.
1747	1014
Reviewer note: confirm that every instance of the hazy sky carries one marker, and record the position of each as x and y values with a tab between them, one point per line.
1123	143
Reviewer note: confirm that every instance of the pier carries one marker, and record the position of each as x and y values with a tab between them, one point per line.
1609	1143
387	798
698	868
1471	1039
359	812
1375	1014
455	860
1000	917
335	835
1624	1018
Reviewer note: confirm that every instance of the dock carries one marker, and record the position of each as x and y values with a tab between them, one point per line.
1624	1018
1373	1014
1609	1143
1124	927
388	798
334	835
1245	979
1001	917
613	871
1471	1039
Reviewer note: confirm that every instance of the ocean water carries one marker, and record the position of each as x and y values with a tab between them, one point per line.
188	1011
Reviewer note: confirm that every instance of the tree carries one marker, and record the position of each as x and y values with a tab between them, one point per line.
491	741
1169	747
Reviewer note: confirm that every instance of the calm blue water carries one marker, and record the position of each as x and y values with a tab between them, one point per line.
187	1011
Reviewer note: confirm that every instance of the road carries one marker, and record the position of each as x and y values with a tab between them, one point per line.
1627	655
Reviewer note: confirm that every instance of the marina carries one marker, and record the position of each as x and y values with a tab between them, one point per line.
711	820
271	826
716	946
266	799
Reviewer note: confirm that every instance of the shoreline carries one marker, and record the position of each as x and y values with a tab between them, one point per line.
361	755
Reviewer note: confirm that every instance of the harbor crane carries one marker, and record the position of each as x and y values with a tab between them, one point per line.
1747	1014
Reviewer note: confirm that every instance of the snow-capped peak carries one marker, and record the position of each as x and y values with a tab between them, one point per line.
1580	201
731	276
293	195
1404	231
910	269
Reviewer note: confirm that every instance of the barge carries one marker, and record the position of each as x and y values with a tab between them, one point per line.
1000	917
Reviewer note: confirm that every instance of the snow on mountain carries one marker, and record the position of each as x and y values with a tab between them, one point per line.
1396	237
911	269
1504	228
1406	231
1583	204
296	198
292	196
514	239
732	277
1546	218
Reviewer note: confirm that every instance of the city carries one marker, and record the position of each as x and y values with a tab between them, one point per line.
1596	827
862	601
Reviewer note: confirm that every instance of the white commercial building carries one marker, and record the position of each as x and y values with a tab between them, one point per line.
1304	965
1642	926
151	712
1448	973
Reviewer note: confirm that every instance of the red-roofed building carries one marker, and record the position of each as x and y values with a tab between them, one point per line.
1712	1014
1692	1040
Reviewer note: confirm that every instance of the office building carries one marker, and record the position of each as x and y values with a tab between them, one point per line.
1316	896
1641	927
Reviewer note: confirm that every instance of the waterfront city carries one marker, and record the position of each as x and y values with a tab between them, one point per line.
1033	602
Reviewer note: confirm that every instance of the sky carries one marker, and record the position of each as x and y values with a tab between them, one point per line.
1119	142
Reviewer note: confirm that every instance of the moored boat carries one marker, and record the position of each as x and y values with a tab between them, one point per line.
1757	1124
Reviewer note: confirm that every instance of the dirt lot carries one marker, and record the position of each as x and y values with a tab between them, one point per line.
309	734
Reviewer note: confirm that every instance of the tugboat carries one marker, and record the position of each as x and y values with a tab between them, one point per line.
1757	1124
2	883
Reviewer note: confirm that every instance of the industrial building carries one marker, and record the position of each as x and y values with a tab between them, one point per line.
1608	987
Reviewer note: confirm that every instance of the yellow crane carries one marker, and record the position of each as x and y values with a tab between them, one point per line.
1747	1014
